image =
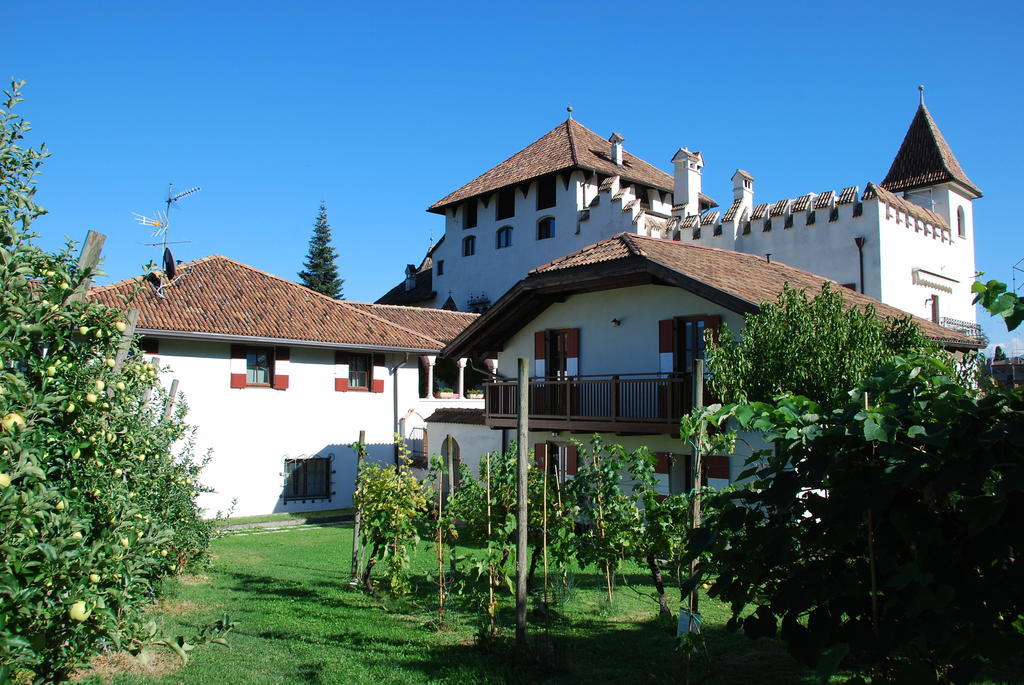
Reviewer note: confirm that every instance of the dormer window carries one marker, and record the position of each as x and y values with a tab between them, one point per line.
469	214
469	246
546	228
546	192
506	205
503	238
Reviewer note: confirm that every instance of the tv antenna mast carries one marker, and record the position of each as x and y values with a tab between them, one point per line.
161	224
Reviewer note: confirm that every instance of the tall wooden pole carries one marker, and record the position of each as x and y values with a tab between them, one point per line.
360	452
523	439
698	469
87	261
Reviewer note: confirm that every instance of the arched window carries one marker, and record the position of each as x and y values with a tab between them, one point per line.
546	228
961	223
503	238
468	246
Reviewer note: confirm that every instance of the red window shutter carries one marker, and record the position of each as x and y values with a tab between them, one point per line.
666	330
238	353
340	382
377	384
538	344
718	466
572	342
572	454
662	464
281	354
540	452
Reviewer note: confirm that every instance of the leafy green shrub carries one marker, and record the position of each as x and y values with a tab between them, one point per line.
885	532
96	505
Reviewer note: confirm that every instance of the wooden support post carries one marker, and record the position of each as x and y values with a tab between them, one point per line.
131	320
523	439
169	404
360	453
87	261
698	469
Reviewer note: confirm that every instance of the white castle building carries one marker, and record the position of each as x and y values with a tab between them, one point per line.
907	241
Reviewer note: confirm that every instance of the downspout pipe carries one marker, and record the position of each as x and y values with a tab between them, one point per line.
860	240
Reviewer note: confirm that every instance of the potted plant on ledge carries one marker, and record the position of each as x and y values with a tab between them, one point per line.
444	393
475	394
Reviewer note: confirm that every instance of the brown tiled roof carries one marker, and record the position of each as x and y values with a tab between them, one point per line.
801	203
442	324
474	417
220	296
744	276
847	195
905	206
422	292
709	218
925	158
779	208
760	211
730	213
570	145
825	200
689	221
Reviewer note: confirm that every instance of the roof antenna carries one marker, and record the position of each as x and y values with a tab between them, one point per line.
161	225
921	88
569	110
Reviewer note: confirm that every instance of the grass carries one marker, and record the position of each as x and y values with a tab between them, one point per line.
299	622
308	516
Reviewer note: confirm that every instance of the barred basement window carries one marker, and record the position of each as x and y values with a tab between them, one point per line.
307	478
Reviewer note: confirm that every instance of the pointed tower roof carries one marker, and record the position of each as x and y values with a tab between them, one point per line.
925	159
570	145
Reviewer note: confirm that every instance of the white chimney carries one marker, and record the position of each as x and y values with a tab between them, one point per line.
687	181
616	140
743	189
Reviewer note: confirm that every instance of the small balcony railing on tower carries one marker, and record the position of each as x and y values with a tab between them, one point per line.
625	403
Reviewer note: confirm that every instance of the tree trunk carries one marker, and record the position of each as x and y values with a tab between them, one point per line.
659	584
367	585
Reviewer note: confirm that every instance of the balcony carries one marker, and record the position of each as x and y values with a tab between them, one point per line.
628	403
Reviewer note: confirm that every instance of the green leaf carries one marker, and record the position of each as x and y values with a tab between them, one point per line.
873	431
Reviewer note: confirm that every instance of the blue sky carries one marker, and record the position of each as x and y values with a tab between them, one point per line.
381	109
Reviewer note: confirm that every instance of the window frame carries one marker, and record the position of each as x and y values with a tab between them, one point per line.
961	222
505	202
506	232
549	221
440	267
547	192
271	356
470	217
469	246
368	371
292	467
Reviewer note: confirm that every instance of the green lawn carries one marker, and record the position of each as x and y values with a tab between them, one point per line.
308	516
300	623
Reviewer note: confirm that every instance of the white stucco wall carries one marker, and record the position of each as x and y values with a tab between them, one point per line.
251	431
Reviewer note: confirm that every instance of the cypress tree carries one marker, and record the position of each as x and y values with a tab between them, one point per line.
321	273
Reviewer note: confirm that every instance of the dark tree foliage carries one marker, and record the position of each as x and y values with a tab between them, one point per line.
883	536
817	347
321	273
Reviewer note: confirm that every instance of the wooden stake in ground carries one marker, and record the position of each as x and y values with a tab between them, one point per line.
169	404
87	261
490	559
440	541
523	438
698	467
360	453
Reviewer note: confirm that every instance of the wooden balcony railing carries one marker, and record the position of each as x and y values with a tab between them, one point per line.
627	403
